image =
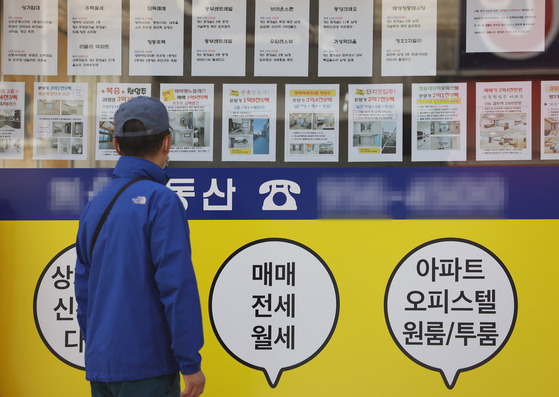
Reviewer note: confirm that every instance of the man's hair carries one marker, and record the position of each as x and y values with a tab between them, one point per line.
139	146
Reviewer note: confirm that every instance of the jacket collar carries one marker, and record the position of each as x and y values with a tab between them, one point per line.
133	167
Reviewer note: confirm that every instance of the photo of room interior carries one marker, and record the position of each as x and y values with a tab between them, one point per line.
300	121
297	148
324	121
61	129
326	148
240	133
10	119
503	131
77	129
189	129
77	145
375	134
10	145
48	107
106	134
438	135
52	146
72	107
445	127
551	135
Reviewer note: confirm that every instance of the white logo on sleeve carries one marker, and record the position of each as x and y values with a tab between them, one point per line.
139	200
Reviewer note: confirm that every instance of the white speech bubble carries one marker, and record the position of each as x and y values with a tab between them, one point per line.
274	305
450	306
55	309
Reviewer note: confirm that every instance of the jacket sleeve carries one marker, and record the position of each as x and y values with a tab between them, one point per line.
176	281
81	276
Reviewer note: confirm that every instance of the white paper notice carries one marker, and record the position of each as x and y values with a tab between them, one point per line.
312	122
156	38
409	38
30	37
109	98
504	121
550	120
345	38
60	121
505	26
94	37
375	122
439	117
191	116
12	115
281	45
249	122
218	37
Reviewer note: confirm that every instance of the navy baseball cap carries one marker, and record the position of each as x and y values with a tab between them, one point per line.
150	111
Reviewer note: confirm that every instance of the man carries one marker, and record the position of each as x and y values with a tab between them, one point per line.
138	303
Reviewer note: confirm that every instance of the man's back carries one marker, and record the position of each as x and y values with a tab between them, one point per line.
137	294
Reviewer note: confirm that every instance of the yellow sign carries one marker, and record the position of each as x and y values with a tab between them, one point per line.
369	150
240	151
168	95
361	355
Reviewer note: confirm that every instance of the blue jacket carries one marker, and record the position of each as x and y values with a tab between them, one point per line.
138	303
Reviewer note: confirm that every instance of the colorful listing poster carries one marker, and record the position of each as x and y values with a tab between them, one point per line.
12	115
504	121
312	123
94	37
30	37
281	38
60	121
191	115
218	37
409	38
550	120
375	122
249	122
109	98
156	38
510	26
439	118
345	38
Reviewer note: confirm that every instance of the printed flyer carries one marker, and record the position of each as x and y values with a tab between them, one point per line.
345	38
191	115
375	122
109	98
60	121
30	37
218	37
249	122
504	121
511	26
94	37
550	120
439	122
281	38
156	38
409	38
312	123
12	115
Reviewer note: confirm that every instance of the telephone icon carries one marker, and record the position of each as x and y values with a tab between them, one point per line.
281	187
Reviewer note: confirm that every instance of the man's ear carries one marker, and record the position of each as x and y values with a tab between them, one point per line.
167	143
117	148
